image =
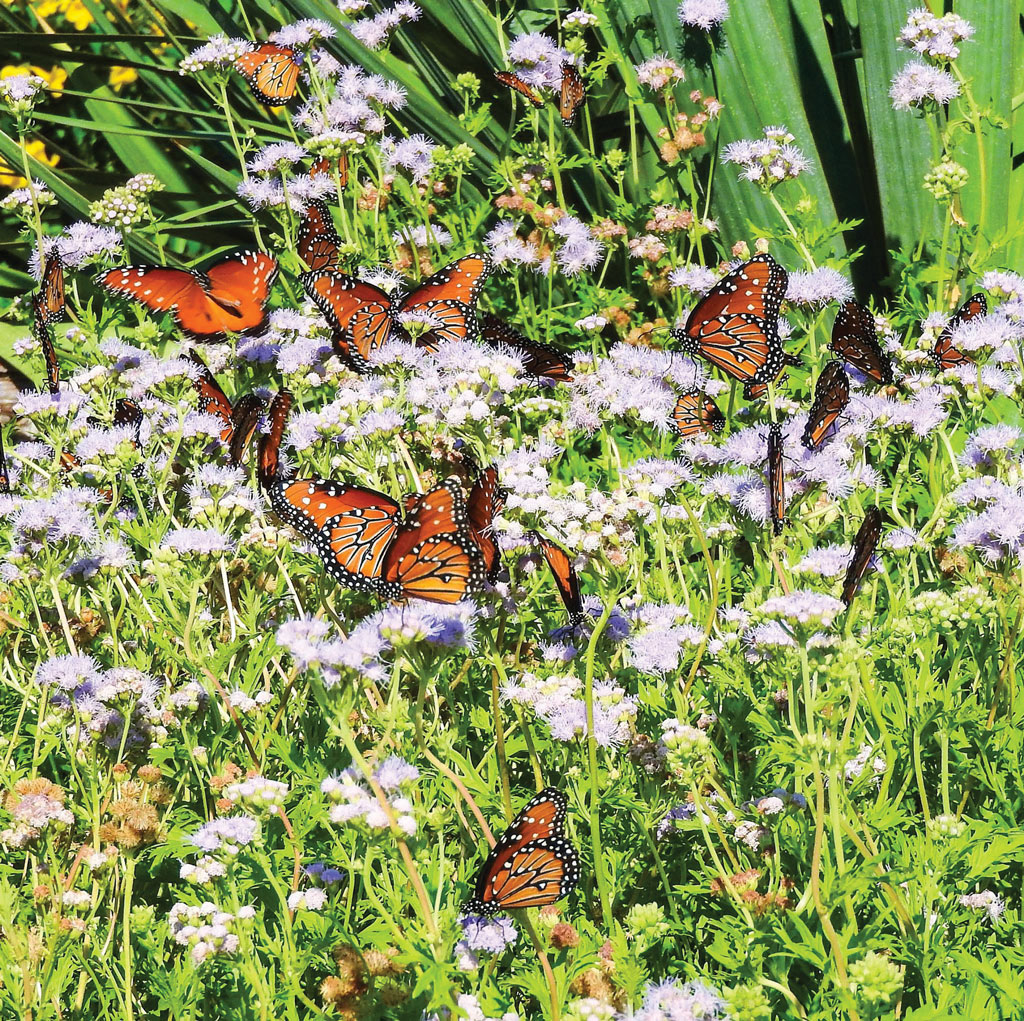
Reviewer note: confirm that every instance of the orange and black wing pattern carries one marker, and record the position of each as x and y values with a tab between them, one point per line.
945	354
272	72
318	240
484	503
516	84
855	340
776	479
696	414
573	94
831	395
533	863
539	359
735	325
566	580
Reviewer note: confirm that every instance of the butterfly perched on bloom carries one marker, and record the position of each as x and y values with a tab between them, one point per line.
272	72
566	580
48	307
239	420
696	414
323	166
539	359
776	479
945	354
363	317
831	396
484	503
318	239
855	339
421	548
572	95
532	864
228	297
516	84
864	546
735	325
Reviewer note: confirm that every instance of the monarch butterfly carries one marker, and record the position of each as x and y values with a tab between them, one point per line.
573	94
44	334
318	240
855	339
945	354
516	84
363	538
49	302
831	395
323	166
776	479
272	72
735	325
363	317
538	359
239	420
695	413
532	864
485	502
566	580
230	296
864	546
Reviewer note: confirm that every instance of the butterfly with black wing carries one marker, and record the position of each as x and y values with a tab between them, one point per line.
323	166
696	414
539	359
735	326
363	317
831	396
532	864
566	580
511	80
420	549
864	546
484	503
855	340
318	240
239	420
945	354
572	95
776	479
272	72
47	308
230	296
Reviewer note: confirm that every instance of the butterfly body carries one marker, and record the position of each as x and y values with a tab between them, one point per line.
239	420
831	396
363	317
228	297
485	502
318	239
864	545
566	580
532	864
572	94
735	325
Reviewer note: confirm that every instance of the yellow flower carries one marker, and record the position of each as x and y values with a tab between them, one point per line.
122	76
10	178
73	10
56	78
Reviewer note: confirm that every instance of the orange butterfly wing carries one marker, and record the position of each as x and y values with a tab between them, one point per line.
323	166
945	354
573	94
516	84
696	414
340	297
566	580
532	864
318	239
272	72
831	396
735	325
776	479
212	399
51	292
245	417
268	467
855	339
486	500
538	359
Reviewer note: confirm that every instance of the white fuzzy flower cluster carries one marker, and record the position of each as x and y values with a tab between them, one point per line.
258	795
206	929
934	37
